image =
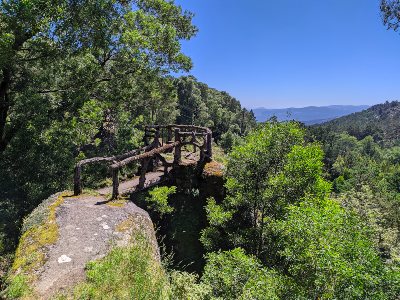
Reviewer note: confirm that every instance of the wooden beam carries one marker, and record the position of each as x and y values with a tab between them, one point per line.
177	154
143	171
209	145
77	180
148	154
115	179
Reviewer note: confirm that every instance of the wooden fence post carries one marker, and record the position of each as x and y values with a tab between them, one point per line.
194	141
157	138
169	135
77	180
209	145
177	154
143	170
115	174
202	156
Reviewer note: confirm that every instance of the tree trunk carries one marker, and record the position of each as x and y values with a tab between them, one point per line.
4	107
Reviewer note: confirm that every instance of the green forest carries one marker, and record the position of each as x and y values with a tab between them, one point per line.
306	212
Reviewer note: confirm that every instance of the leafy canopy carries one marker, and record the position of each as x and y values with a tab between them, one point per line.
272	169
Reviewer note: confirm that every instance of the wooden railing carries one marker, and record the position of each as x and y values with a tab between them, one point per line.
165	139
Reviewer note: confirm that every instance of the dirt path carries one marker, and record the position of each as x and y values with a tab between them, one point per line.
87	229
128	186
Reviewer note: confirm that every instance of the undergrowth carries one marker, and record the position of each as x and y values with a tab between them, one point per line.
135	272
125	273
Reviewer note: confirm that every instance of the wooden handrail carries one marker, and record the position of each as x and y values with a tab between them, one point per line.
80	164
180	126
111	158
175	140
148	154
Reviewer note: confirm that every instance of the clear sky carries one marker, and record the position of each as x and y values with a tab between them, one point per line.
294	53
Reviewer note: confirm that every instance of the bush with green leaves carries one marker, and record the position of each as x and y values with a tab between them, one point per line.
228	140
329	252
158	199
186	286
235	275
126	273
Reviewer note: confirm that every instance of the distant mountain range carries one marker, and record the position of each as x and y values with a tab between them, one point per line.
309	115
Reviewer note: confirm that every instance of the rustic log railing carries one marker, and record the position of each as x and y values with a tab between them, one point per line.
165	139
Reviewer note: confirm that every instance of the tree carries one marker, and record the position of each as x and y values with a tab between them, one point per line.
295	239
79	78
62	53
193	110
201	105
271	170
390	10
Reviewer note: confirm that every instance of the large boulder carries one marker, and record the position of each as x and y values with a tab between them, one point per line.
65	233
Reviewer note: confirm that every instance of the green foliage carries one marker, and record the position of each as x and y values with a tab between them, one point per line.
363	163
185	286
134	273
158	200
379	212
379	121
329	254
390	10
9	226
229	139
202	105
126	273
216	214
80	79
365	179
69	51
17	288
235	275
277	209
271	170
228	272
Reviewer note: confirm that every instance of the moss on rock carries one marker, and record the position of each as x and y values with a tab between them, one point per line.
126	225
40	230
213	168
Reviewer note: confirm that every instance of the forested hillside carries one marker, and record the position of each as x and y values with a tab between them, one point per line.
223	114
379	121
362	159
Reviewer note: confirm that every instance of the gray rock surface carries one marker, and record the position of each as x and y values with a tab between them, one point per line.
88	229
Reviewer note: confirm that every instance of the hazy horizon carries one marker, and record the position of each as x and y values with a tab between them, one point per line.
295	107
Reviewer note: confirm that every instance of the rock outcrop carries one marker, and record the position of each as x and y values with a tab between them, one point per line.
66	232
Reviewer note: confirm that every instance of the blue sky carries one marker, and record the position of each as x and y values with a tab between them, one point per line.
295	53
